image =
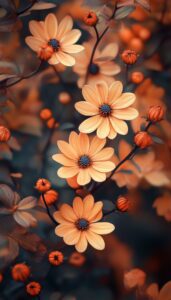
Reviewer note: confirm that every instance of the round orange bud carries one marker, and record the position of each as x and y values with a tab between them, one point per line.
45	114
50	196
46	52
33	288
56	258
72	182
122	204
142	139
90	18
129	57
125	34
43	185
64	98
20	272
4	134
137	77
136	44
77	259
144	34
1	277
155	113
51	123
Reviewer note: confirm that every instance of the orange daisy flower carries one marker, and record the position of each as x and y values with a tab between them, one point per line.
54	42
84	158
108	107
79	224
102	68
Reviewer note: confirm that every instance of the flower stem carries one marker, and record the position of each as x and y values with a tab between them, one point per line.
48	211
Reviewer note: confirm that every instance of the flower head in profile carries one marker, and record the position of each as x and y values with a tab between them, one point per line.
79	224
85	158
102	68
107	108
54	42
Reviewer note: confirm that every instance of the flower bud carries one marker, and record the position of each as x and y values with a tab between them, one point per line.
33	288
20	272
136	44
122	204
56	258
155	113
129	57
77	259
51	123
50	196
45	53
125	34
43	185
64	98
45	114
137	77
90	18
142	139
4	134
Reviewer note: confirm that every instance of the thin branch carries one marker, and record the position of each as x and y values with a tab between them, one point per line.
48	211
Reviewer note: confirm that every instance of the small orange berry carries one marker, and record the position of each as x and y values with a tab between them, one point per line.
51	123
137	77
77	259
46	52
64	98
56	258
50	196
126	34
90	18
155	113
43	185
129	57
142	139
136	44
72	182
45	114
144	34
122	204
20	272
33	288
4	134
1	277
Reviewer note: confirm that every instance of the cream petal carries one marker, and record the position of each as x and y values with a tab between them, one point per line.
72	48
102	227
37	29
64	229
95	240
71	37
95	211
78	206
83	177
96	175
110	50
58	217
125	114
51	26
65	59
119	126
102	91
63	160
83	143
82	244
112	133
109	68
64	26
125	100
67	172
157	178
96	145
24	219
34	43
53	60
73	141
88	204
90	95
67	149
72	237
27	203
104	154
105	166
98	217
90	124
115	91
68	213
103	129
86	108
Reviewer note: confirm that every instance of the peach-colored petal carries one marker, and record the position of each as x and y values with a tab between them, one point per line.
95	211
110	50
109	68
73	141
34	43
125	100
102	91
98	217
27	203
112	133
90	95
90	124
58	217
153	291
68	213
95	240
105	166
63	160
115	91
102	227
37	30
83	177
53	60
67	172
24	219
88	204
103	129
71	37
51	25
104	154
125	114
82	244
96	175
64	229
165	292
157	178
83	143
65	26
72	237
86	108
96	145
72	48
65	58
67	149
78	206
119	126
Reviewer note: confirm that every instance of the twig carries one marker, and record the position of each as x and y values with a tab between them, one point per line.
48	211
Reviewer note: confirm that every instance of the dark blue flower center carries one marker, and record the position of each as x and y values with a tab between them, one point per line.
105	110
54	44
84	161
94	69
82	224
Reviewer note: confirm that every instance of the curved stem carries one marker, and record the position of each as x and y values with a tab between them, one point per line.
48	211
26	8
